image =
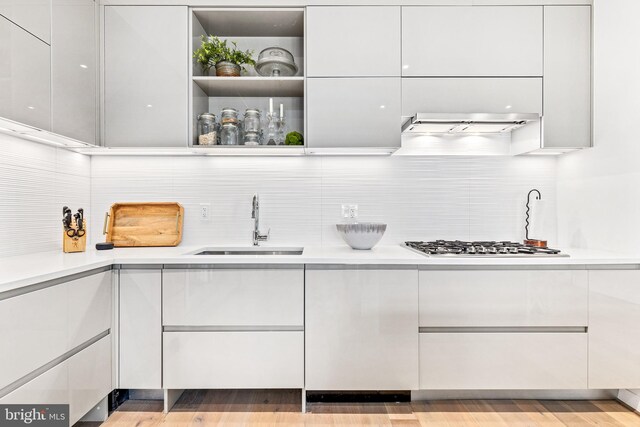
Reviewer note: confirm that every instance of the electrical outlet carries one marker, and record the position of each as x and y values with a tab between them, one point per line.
204	211
350	212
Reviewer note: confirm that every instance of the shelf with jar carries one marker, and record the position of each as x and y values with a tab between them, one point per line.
233	122
265	91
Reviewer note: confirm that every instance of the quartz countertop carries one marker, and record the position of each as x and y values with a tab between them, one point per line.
25	270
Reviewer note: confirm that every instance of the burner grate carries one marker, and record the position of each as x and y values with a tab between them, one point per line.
480	248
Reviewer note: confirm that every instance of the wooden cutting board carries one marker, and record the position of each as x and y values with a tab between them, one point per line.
144	224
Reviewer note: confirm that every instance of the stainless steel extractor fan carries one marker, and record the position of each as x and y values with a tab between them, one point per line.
460	124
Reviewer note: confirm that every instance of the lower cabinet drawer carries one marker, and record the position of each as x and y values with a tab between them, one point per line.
33	330
40	326
504	298
80	381
233	297
89	378
502	361
89	307
233	359
49	388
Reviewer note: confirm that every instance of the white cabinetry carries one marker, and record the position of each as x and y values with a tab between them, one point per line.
74	69
51	387
146	76
80	381
57	344
225	297
140	355
614	329
226	359
567	77
361	328
353	113
33	327
32	15
89	378
42	325
353	90
471	95
501	361
517	298
371	47
25	84
89	310
464	41
509	329
233	327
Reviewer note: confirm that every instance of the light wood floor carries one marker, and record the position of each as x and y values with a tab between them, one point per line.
282	408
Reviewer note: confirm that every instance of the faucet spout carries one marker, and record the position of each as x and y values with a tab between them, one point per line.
254	207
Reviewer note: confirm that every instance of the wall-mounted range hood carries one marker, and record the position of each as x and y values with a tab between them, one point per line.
467	124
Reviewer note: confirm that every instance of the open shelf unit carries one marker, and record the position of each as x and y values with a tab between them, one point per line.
254	29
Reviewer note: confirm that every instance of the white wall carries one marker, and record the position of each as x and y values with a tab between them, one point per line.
36	181
469	198
599	189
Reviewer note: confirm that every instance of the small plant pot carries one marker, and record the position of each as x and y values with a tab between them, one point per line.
227	69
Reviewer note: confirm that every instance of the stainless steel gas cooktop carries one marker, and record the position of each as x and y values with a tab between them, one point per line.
481	249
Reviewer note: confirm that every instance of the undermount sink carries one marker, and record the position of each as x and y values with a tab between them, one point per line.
249	251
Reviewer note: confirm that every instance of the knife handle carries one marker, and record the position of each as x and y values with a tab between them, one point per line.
106	221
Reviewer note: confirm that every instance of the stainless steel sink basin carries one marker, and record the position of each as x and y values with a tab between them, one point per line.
248	251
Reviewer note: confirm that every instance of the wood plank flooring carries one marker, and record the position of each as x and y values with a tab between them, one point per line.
282	408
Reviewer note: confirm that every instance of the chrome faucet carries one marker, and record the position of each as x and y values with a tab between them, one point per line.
255	215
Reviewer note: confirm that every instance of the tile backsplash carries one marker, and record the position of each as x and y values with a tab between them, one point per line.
36	181
418	197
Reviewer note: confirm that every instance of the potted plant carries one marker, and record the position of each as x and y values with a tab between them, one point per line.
227	60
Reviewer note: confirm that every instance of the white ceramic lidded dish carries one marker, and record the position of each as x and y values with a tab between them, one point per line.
362	235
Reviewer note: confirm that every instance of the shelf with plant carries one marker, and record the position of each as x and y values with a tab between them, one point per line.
228	61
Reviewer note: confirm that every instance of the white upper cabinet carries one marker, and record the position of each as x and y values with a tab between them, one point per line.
353	41
146	61
472	41
471	95
353	113
74	69
25	77
567	77
32	15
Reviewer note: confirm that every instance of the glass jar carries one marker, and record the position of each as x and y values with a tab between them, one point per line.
207	129
229	115
252	138
252	120
229	134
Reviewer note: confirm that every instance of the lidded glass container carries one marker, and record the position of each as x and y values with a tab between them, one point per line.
252	138
229	134
252	120
207	129
229	115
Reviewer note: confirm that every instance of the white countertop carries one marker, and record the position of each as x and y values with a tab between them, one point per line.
25	270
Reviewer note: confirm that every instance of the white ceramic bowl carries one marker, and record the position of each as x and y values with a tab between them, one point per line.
362	235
